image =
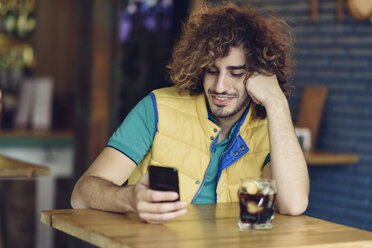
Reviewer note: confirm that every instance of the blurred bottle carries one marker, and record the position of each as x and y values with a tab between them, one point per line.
1	107
17	60
17	18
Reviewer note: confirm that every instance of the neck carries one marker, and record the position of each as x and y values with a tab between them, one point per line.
226	124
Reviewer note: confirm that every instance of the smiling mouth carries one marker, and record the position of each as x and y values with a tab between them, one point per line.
221	101
221	98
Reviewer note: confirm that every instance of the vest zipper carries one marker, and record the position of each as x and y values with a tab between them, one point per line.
205	174
219	162
202	184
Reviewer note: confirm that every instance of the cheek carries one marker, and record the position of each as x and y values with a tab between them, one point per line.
240	86
206	82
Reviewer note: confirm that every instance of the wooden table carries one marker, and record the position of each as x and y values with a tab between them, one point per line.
15	168
11	168
51	148
208	225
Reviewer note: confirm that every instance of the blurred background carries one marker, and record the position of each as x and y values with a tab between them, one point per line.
70	71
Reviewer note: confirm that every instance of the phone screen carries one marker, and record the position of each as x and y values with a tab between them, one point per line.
163	178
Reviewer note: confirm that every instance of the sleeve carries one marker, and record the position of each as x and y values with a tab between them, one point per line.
135	135
267	160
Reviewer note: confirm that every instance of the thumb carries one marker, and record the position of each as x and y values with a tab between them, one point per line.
144	180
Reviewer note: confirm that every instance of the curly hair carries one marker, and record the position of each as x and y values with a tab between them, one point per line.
206	36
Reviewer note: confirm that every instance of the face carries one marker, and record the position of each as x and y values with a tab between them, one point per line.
224	86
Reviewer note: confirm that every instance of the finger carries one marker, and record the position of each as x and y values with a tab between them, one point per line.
254	99
161	207
251	94
162	217
158	196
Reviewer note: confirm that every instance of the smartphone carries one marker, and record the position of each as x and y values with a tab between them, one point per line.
163	179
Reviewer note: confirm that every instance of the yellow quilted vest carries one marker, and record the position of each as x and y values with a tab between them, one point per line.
184	139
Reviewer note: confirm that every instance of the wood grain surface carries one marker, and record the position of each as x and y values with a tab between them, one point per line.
325	158
14	168
208	225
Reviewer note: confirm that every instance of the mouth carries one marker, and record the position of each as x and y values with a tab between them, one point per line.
221	100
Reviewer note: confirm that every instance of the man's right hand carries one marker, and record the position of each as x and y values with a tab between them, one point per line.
150	206
101	188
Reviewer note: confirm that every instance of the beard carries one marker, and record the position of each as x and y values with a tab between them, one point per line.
222	112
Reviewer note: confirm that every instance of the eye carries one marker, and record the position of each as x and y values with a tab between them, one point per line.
212	70
236	74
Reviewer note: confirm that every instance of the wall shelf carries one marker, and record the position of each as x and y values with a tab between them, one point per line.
36	138
333	159
7	41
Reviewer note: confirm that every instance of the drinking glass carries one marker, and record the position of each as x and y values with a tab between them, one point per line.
256	200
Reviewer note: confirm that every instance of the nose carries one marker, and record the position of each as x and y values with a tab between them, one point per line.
222	84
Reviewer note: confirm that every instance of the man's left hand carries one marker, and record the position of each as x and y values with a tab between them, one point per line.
263	89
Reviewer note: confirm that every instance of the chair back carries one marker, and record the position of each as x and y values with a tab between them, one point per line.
311	110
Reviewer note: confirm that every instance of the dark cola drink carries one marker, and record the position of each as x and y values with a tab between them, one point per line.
256	200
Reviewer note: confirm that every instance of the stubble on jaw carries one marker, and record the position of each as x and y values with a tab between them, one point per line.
220	112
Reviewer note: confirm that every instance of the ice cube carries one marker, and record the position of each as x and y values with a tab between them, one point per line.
253	208
260	202
270	203
266	190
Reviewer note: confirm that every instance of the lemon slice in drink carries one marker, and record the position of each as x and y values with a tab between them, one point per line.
250	187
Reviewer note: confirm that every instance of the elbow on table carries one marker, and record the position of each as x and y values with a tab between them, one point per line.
74	203
76	199
295	208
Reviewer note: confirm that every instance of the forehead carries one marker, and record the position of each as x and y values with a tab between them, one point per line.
235	57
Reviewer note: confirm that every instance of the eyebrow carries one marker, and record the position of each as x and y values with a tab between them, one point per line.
239	67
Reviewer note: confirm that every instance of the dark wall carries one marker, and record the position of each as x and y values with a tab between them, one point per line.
337	54
141	58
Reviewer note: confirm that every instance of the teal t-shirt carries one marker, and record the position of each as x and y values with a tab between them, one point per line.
135	135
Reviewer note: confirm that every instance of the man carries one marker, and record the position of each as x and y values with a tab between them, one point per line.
227	117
